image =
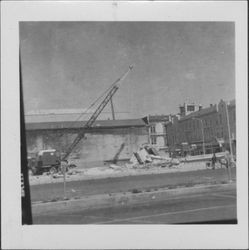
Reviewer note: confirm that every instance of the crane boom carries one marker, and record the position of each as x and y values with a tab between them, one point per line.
90	122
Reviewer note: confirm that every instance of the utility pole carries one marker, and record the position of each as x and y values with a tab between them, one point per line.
230	144
229	132
203	138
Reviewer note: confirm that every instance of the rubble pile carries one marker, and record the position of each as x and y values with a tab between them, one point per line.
147	156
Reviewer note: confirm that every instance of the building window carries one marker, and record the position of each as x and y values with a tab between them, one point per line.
153	140
220	119
153	129
190	108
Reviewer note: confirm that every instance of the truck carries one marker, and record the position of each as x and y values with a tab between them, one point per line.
44	161
48	160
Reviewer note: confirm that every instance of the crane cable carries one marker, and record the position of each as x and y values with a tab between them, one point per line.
107	90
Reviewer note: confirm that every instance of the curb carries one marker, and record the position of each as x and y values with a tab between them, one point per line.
124	199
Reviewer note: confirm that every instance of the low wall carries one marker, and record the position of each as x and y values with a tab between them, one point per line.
95	149
206	157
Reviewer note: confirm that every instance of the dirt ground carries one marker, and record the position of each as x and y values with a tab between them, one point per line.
113	171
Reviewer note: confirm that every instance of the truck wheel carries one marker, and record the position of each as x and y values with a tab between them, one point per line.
52	170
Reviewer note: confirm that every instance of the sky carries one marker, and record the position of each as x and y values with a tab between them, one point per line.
67	65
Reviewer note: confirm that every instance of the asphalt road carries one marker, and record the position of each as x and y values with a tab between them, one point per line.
211	206
76	189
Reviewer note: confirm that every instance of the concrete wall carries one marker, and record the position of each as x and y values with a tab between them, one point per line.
98	146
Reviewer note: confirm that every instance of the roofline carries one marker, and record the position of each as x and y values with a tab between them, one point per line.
195	114
80	124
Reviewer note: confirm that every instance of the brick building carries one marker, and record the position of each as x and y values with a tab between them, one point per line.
186	133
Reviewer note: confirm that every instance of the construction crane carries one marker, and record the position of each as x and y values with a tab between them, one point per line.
114	87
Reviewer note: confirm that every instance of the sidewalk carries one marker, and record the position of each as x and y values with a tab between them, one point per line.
113	171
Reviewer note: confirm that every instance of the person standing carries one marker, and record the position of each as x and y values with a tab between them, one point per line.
228	164
214	159
228	158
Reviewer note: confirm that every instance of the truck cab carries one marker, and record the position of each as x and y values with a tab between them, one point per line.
44	161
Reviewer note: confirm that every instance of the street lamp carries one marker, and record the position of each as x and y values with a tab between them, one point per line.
202	131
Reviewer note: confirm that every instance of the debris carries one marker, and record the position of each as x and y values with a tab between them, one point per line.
133	159
74	172
57	176
151	150
144	156
139	160
157	157
147	156
115	167
175	161
135	191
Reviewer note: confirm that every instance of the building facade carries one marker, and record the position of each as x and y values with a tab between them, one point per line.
203	130
106	141
157	130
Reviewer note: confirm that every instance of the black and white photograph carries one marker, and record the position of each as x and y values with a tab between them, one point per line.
129	122
153	144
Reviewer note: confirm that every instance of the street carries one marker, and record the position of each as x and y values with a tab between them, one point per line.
204	207
76	189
